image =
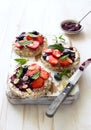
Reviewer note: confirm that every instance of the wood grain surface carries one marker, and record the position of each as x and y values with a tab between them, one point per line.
44	16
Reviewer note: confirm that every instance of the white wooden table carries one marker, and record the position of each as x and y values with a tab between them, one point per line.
44	16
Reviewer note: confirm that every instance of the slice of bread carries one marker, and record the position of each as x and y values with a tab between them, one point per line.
25	86
58	66
60	54
22	45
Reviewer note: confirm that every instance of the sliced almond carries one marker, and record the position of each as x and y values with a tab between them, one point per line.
25	86
16	81
31	67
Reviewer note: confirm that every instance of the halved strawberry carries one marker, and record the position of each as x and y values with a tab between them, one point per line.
28	37
52	60
48	51
40	39
56	53
34	45
44	74
38	83
18	45
65	62
32	69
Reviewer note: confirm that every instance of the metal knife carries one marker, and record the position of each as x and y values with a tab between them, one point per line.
71	83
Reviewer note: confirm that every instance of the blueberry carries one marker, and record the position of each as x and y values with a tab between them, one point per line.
35	33
72	56
71	48
60	44
31	79
66	51
25	68
44	56
23	33
57	77
20	38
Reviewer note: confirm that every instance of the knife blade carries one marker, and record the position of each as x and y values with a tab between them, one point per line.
51	110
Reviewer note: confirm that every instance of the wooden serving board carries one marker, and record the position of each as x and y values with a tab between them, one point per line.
73	96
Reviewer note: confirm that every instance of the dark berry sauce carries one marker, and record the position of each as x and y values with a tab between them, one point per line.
21	81
71	26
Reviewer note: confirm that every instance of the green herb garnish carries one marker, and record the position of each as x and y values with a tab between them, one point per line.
21	61
64	72
20	71
32	35
64	57
36	75
25	43
61	38
56	40
57	46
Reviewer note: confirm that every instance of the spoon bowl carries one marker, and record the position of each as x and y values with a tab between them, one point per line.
71	26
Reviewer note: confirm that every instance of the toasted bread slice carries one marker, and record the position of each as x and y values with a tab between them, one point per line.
33	83
55	63
29	44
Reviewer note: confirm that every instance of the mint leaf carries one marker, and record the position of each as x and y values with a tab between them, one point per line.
56	39
32	35
21	61
20	71
61	37
64	57
64	72
57	46
36	75
60	75
25	43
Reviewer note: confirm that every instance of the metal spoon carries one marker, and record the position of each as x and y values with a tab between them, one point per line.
82	18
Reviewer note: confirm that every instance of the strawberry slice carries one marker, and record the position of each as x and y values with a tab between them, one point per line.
38	83
40	39
28	37
32	69
44	74
33	45
56	53
18	45
48	51
52	60
31	72
34	66
66	62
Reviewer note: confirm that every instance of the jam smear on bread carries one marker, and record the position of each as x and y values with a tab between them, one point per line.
32	76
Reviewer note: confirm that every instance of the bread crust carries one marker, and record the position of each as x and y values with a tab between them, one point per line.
30	93
36	93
